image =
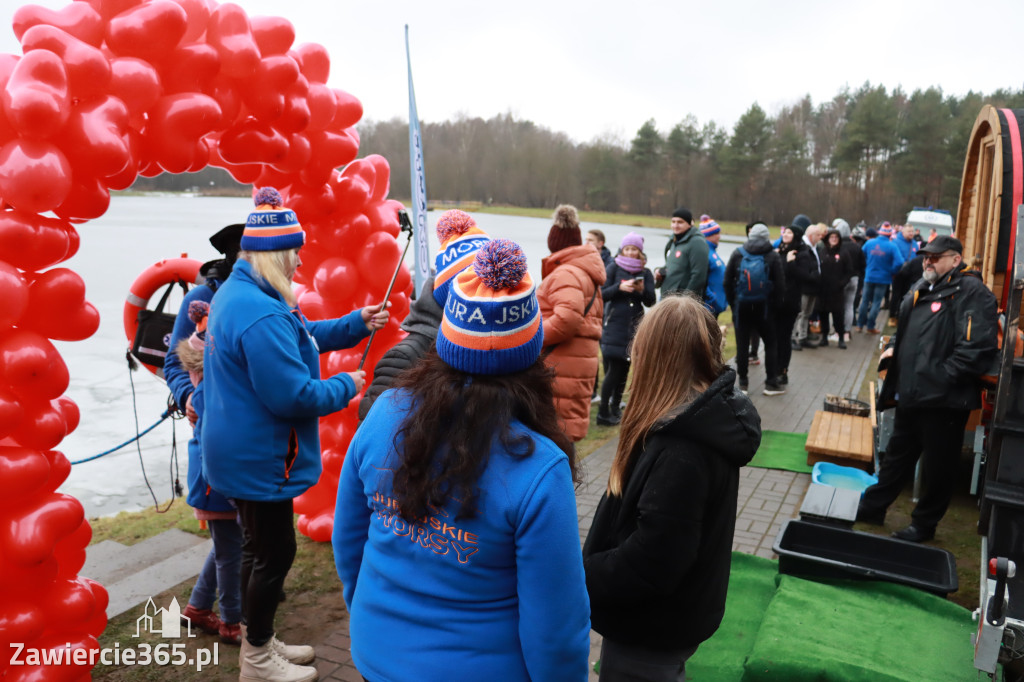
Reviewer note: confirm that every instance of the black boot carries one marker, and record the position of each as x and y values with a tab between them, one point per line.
605	417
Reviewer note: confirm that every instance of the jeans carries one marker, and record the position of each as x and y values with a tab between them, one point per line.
849	294
870	302
807	302
221	572
627	663
268	550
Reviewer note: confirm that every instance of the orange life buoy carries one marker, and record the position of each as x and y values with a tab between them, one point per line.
148	283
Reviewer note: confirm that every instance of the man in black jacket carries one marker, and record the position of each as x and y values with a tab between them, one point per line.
757	312
946	341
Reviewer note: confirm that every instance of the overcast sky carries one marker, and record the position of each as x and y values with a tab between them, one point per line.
602	69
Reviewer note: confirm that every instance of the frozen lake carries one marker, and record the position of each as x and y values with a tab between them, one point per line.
136	232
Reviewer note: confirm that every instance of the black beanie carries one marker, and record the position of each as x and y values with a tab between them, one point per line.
684	213
801	221
798	232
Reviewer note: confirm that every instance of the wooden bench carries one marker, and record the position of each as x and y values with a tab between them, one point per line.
841	439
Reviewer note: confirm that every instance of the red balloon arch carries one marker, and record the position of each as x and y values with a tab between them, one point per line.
106	91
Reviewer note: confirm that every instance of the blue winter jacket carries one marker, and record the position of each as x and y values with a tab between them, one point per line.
908	249
883	258
496	596
263	391
200	494
714	297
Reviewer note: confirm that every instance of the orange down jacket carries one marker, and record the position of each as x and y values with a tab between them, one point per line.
569	279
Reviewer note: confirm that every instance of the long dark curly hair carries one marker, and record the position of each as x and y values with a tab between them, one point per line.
445	441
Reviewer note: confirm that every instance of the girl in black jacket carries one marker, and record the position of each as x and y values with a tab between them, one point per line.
793	265
836	271
628	287
657	555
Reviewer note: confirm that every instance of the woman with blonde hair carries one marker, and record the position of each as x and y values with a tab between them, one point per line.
263	400
657	555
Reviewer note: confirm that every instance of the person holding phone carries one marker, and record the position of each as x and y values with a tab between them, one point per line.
628	287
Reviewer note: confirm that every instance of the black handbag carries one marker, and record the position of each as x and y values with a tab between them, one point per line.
153	335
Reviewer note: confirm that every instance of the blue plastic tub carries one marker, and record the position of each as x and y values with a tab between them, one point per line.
848	478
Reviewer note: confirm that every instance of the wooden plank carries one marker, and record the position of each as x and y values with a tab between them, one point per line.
871	402
840	438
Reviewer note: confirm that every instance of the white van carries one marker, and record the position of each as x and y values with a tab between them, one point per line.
926	219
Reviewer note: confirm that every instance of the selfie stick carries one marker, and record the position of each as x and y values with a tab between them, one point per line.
403	220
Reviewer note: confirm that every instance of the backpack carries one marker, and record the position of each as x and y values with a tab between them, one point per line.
752	284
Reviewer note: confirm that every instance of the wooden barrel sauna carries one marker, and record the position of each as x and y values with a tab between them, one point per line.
991	189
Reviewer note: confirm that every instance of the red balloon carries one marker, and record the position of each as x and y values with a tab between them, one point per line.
312	205
31	366
95	138
42	427
69	411
87	199
176	125
11	415
77	18
60	468
298	154
273	35
32	242
23	472
30	538
252	142
36	98
322	106
378	257
195	66
57	308
197	13
230	34
35	176
136	83
21	619
314	62
336	277
349	111
87	67
296	116
330	150
14	294
150	30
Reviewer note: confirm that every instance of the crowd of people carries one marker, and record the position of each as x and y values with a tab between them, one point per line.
455	527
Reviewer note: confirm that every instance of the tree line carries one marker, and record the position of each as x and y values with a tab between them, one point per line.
868	154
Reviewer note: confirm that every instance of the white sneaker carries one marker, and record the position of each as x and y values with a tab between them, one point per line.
264	664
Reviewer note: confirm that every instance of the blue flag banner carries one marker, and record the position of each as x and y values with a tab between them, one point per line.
421	256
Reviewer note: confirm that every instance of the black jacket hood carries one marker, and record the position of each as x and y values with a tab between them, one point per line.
722	418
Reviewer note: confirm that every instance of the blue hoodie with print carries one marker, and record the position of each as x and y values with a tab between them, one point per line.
883	260
263	391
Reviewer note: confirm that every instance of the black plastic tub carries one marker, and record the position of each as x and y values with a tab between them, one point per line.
814	550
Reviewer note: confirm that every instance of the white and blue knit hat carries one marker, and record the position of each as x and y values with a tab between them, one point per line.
460	240
491	323
271	227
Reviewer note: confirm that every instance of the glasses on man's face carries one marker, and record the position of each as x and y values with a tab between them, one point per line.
934	258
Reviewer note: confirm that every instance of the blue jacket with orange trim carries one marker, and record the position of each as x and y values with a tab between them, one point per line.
263	391
496	596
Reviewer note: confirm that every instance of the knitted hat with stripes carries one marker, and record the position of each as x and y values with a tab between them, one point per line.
271	227
491	323
460	240
709	227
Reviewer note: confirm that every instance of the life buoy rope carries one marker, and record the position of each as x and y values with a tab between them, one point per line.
149	282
